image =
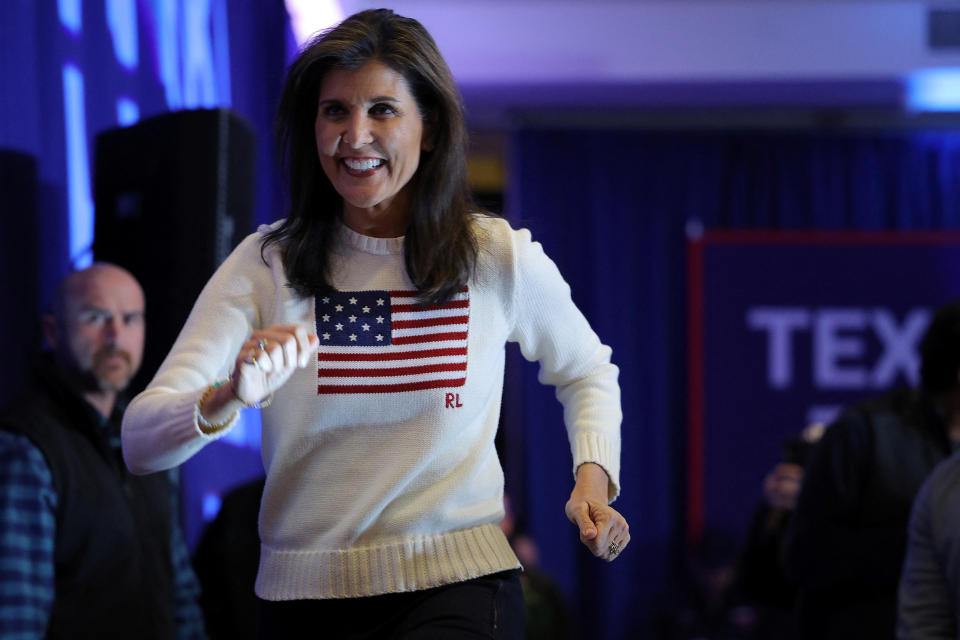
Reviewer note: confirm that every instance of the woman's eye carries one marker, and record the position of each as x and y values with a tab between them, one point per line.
333	110
382	110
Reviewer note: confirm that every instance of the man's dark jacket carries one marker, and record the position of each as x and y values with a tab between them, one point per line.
113	571
849	533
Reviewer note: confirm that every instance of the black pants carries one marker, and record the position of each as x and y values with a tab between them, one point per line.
486	607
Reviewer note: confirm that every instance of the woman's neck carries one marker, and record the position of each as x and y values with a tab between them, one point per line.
384	220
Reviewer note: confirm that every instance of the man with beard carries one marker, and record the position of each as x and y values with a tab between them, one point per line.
86	548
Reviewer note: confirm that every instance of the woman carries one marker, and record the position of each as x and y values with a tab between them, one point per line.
374	317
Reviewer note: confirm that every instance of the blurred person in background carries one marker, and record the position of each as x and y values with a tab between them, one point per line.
762	591
87	549
226	561
848	537
929	596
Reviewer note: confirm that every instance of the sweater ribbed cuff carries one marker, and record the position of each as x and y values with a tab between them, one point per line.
594	447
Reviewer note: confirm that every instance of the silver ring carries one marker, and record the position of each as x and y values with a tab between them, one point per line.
261	344
614	548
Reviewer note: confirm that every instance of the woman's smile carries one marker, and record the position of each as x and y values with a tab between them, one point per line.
363	167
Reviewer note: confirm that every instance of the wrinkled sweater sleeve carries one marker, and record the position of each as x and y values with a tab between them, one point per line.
160	428
552	331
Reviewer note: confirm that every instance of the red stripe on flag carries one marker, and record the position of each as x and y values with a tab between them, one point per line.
430	337
391	388
429	322
397	371
396	355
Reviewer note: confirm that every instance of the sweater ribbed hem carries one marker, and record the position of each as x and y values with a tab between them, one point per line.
409	565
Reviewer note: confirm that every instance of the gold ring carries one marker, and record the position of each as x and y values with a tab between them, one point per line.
614	548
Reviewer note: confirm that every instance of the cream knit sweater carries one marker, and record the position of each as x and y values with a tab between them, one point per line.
381	470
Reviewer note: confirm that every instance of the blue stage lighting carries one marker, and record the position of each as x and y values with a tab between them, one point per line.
122	20
933	90
80	202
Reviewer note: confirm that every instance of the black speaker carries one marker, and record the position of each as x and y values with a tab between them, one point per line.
174	195
19	262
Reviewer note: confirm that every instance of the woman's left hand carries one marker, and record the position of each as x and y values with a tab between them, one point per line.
602	529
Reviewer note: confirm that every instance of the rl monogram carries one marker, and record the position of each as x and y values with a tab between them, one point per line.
453	401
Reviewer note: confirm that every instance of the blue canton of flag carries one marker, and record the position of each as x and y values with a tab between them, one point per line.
354	318
383	342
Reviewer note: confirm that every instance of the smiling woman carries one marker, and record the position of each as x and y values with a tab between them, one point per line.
369	137
375	317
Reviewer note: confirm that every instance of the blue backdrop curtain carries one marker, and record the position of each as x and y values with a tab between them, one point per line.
612	208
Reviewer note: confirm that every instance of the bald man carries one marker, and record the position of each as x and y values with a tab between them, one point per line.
89	549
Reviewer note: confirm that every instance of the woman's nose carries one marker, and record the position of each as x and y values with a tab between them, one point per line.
357	133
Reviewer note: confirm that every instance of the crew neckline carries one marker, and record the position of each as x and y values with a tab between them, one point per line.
369	244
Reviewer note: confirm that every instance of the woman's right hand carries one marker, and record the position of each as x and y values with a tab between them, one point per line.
267	360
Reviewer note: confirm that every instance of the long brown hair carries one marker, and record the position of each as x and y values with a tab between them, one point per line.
440	248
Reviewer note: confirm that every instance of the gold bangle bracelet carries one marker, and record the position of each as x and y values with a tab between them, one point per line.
263	403
205	425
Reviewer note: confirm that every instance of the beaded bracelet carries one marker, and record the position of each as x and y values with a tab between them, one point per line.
262	404
205	425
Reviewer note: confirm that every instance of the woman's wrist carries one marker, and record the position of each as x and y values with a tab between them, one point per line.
218	407
592	482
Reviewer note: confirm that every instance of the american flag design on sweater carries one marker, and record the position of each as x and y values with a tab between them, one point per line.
384	342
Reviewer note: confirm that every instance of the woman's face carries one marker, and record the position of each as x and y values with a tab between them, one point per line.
369	136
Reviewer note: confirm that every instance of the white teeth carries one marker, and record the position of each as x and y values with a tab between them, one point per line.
363	165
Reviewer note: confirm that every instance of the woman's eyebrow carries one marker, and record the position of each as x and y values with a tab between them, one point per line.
376	99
